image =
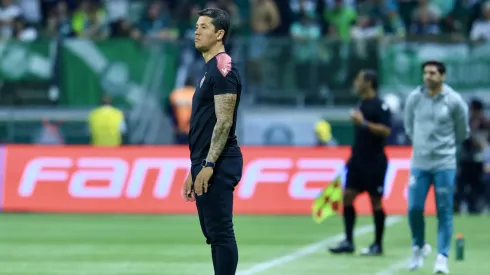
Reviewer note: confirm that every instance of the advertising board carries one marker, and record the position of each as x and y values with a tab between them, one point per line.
276	180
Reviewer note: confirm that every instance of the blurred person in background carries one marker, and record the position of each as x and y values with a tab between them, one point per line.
264	19
122	28
49	134
323	133
425	23
89	20
58	22
181	104
387	12
298	7
9	10
486	173
480	31
190	63
458	21
340	18
107	125
469	186
397	136
117	9
22	30
305	32
366	28
232	9
157	22
31	10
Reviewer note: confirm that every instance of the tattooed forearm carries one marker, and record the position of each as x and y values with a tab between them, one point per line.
225	108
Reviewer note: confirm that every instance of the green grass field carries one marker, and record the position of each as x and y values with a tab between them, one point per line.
45	244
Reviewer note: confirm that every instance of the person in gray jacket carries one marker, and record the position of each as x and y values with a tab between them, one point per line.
436	120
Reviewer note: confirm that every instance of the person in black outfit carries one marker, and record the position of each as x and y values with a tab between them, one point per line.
216	158
368	162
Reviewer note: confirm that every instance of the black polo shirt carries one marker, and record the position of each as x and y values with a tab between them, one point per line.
219	77
367	144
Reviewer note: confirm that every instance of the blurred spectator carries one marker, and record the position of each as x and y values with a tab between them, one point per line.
305	32
480	31
397	136
117	9
107	124
232	9
157	22
427	6
469	185
425	23
181	105
298	7
323	133
486	172
366	28
59	21
122	28
348	3
264	19
443	7
191	61
90	21
387	12
458	20
340	18
31	10
49	134
8	12
22	31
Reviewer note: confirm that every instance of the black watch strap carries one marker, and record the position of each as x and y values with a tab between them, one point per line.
207	163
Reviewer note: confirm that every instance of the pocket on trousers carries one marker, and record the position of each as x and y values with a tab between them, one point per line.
229	170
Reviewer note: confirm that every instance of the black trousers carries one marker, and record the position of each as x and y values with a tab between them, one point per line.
215	209
469	187
486	183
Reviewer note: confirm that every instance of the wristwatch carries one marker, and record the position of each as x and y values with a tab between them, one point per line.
205	163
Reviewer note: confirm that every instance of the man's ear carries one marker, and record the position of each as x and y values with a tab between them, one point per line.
220	34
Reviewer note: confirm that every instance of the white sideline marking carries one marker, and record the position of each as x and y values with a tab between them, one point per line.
392	269
312	248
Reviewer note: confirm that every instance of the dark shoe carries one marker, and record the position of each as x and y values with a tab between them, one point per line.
373	250
343	247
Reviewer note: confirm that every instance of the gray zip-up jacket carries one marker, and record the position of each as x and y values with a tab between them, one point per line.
437	126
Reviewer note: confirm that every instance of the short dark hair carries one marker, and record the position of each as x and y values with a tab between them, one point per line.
476	104
371	76
441	68
220	20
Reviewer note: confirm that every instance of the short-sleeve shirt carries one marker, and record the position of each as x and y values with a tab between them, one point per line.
219	77
366	143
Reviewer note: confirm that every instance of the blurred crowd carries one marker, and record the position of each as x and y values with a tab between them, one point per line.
302	19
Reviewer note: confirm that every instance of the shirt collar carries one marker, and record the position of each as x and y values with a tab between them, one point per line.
443	93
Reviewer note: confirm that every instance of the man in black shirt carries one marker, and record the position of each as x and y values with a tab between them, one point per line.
215	155
368	163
